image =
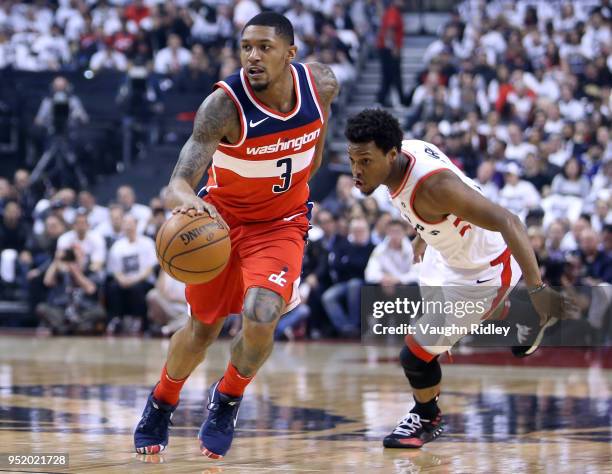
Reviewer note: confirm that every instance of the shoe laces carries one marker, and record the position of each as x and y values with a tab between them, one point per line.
153	419
408	425
225	414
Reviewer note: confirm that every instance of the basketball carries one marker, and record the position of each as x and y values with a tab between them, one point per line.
193	249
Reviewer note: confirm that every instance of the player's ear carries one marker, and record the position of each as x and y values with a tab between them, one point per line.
392	155
291	53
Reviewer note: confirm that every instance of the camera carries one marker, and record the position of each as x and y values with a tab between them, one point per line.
61	111
69	256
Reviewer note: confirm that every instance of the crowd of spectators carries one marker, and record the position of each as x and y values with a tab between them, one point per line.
517	94
192	42
145	66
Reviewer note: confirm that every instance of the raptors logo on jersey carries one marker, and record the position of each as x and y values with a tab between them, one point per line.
264	176
459	243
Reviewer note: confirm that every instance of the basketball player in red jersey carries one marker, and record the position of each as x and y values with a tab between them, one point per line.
261	134
472	250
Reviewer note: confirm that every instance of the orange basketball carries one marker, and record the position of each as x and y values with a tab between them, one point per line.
193	249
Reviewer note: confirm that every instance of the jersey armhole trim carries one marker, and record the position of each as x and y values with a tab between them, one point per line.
314	91
416	187
243	126
412	161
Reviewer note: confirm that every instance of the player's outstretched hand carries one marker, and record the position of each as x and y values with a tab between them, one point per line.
418	248
549	303
195	206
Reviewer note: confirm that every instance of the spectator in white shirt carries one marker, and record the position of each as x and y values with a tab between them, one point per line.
555	233
596	37
535	47
493	39
89	241
603	214
391	262
52	49
111	230
108	58
602	181
96	215
604	140
517	195
484	180
542	84
172	58
6	51
127	198
571	109
571	239
567	21
302	21
521	98
131	262
244	10
554	122
571	181
558	153
517	149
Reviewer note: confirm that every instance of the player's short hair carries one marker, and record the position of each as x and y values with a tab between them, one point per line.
375	125
281	24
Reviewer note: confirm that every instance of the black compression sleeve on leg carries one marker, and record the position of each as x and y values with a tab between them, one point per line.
420	374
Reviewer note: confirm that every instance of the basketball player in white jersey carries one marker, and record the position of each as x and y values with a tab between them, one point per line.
471	248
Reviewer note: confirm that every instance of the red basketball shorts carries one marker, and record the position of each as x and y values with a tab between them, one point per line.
266	255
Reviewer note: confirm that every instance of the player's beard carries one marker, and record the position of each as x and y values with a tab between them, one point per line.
260	87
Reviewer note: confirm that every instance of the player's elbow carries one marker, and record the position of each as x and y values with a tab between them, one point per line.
510	222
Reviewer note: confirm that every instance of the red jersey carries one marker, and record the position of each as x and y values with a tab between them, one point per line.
264	176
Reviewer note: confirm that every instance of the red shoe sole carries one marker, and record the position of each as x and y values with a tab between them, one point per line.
210	454
155	449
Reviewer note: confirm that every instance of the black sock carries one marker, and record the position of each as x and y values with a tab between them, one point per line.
428	410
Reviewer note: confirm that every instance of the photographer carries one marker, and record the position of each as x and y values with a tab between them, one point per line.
89	241
72	305
61	110
139	102
56	130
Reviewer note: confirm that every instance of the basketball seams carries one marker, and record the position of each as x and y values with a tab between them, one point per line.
197	248
169	270
178	231
219	233
199	272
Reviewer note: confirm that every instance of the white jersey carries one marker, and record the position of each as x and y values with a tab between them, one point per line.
460	245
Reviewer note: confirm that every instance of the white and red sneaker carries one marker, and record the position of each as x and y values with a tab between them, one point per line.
414	431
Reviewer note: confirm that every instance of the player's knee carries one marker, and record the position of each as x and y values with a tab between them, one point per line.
420	374
262	306
200	335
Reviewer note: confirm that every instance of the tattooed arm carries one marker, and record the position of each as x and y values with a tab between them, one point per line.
216	119
327	87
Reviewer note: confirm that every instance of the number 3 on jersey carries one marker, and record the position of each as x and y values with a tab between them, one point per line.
285	176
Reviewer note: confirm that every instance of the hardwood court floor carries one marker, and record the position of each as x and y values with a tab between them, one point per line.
313	408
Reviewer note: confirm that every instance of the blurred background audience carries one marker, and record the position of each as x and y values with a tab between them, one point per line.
96	95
